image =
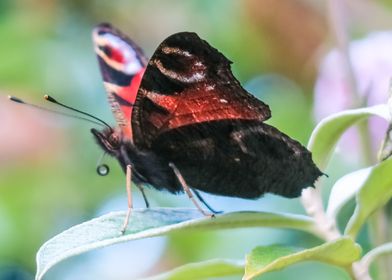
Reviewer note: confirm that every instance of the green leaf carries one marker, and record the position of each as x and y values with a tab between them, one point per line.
345	189
375	253
386	149
203	270
105	230
329	130
375	192
261	257
341	252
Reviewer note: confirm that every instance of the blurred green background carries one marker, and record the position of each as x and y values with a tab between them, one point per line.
47	162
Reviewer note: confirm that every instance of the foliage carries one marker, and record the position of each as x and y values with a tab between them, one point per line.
370	187
341	252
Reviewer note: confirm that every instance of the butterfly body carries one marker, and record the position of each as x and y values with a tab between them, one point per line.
184	107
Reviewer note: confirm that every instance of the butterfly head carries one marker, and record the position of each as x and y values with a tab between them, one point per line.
110	140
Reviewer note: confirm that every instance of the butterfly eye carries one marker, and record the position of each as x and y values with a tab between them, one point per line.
113	139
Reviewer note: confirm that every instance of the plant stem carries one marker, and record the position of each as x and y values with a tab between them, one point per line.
313	204
339	29
311	198
312	201
380	234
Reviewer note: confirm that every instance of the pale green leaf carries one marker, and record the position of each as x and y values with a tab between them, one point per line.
375	253
341	252
105	230
329	130
374	193
386	149
203	270
345	189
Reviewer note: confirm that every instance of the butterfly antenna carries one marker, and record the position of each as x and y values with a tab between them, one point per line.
51	99
18	100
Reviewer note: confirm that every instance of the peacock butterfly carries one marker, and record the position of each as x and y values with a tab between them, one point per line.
184	119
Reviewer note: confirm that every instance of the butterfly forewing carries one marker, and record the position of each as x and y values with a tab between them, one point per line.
189	82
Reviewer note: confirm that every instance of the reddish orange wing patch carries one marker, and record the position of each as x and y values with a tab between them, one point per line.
189	82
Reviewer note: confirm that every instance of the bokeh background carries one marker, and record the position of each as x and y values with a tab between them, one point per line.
282	53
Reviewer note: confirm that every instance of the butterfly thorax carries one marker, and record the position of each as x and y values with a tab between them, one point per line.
115	145
147	167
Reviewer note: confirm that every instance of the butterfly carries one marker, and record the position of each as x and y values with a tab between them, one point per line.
185	123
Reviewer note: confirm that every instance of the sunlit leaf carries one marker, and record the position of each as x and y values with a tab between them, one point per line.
345	189
342	252
105	230
203	270
329	130
375	192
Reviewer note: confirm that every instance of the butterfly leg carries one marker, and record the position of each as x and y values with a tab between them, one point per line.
144	196
201	199
129	193
187	189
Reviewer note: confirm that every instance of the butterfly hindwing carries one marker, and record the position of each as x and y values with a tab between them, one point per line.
241	159
188	82
122	65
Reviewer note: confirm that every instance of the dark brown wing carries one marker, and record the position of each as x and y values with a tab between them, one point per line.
189	82
191	111
244	159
